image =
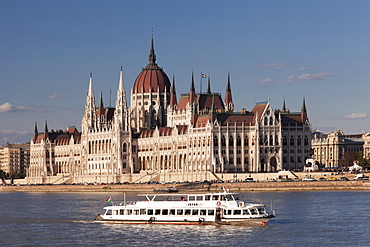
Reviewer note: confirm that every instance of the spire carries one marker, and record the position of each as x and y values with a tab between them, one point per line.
173	100
228	96
36	132
46	126
152	57
101	98
209	85
46	131
101	110
304	117
284	107
192	89
121	85
303	109
90	91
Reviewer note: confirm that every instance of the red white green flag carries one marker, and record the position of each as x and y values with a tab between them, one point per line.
109	199
204	76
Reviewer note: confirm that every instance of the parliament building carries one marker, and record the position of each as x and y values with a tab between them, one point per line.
164	137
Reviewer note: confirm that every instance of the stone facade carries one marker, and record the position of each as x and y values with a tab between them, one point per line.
159	138
336	149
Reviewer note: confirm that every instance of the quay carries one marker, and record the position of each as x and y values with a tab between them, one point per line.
240	186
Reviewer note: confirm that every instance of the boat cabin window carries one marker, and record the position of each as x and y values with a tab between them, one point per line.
129	211
245	212
121	211
203	212
164	211
108	212
180	211
208	197
261	210
187	211
142	211
211	212
237	212
172	211
254	211
136	211
195	212
228	212
150	211
229	197
191	198
115	212
215	198
157	212
199	198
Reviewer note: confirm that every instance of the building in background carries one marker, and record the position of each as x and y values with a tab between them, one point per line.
336	149
162	137
14	159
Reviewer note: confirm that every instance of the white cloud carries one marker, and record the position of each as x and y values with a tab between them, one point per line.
267	80
356	116
318	76
274	65
14	136
53	96
303	68
304	77
6	107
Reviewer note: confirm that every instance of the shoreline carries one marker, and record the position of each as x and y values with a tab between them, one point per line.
236	187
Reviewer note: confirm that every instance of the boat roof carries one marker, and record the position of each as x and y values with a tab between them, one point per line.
177	194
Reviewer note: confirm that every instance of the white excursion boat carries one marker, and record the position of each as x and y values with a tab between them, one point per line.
187	209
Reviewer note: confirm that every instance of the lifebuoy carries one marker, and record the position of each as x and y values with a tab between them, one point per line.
201	220
218	203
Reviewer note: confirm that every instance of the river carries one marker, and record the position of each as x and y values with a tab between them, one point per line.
317	218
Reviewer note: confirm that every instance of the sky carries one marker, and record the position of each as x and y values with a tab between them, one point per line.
273	50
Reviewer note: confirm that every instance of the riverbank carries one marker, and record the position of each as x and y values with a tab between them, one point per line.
261	186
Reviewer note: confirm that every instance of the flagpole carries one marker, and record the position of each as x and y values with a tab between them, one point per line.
110	96
200	83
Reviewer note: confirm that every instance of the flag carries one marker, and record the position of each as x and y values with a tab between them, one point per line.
204	76
109	199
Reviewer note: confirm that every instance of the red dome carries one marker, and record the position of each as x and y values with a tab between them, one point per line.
152	77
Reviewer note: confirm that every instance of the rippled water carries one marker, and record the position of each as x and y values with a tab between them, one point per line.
317	218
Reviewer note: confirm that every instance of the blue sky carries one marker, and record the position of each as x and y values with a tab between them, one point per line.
273	49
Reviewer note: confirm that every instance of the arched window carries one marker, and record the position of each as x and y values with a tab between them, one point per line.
223	141
285	141
265	121
292	140
271	121
305	140
238	141
215	141
231	141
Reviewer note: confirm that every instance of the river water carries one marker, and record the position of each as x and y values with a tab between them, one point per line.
319	218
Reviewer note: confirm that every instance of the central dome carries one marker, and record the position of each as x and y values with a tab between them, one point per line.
152	78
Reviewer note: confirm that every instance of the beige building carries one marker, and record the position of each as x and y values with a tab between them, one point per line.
336	149
162	137
14	159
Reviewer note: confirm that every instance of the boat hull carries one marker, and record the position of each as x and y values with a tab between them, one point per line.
244	222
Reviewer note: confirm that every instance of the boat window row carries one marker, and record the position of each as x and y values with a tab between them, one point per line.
250	211
210	198
161	212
